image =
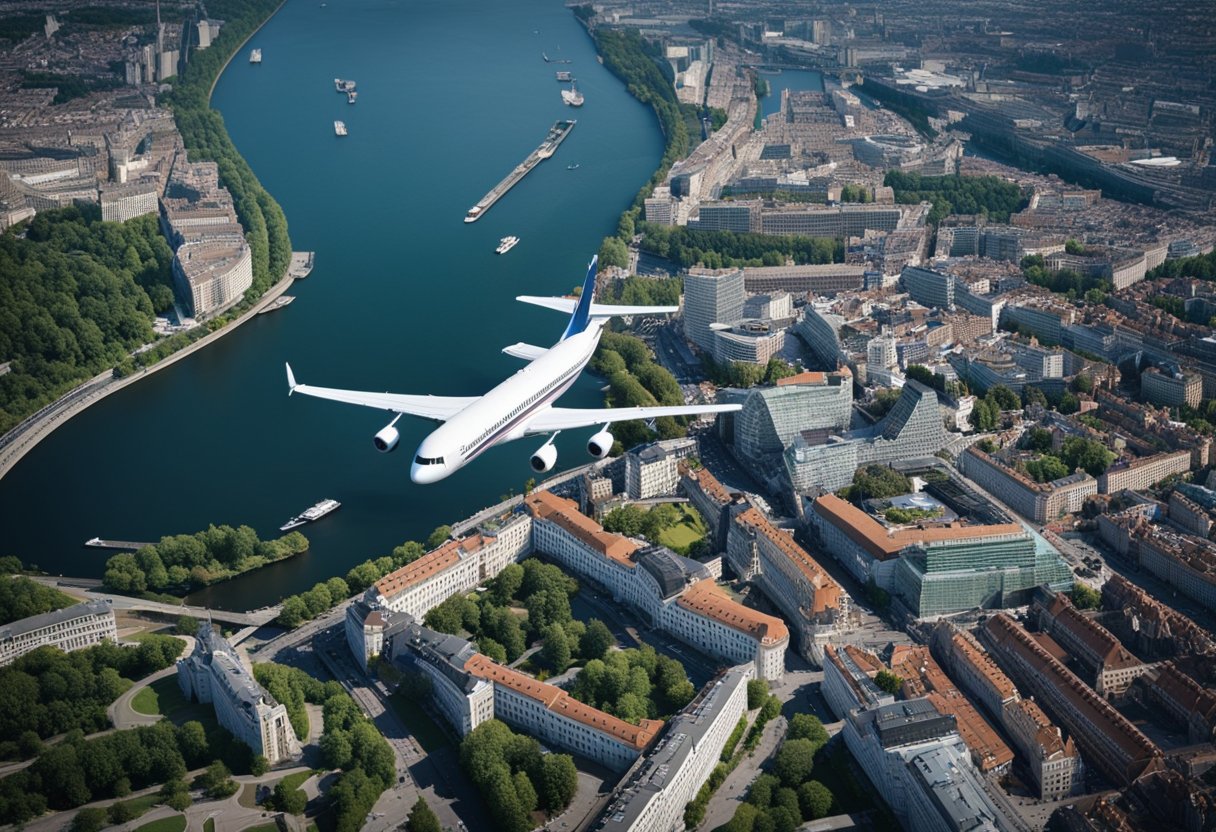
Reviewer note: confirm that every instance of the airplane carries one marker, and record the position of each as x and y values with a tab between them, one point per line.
520	406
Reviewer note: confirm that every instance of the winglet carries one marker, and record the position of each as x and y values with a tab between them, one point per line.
291	380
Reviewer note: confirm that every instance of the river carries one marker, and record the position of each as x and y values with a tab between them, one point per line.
404	296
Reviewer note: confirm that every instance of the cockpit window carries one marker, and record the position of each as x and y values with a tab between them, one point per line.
429	460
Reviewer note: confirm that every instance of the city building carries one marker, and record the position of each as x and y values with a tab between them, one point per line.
554	716
816	279
914	756
673	593
68	629
939	568
1185	701
654	795
711	297
213	674
211	276
711	498
848	680
914	428
1109	742
1111	667
1143	472
849	220
1054	763
464	699
1037	501
923	677
807	596
749	341
1151	627
650	471
120	203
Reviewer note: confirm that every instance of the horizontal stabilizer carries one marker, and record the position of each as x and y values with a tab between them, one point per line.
598	310
527	352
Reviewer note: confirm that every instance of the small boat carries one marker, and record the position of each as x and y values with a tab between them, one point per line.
343	85
572	167
563	76
506	244
255	57
572	96
339	128
310	514
351	97
278	303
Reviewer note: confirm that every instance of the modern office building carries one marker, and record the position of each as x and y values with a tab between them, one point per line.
120	203
820	331
1037	501
772	417
673	593
750	341
913	429
213	674
1143	472
1108	740
1171	389
655	794
711	297
816	279
849	220
68	629
809	598
928	287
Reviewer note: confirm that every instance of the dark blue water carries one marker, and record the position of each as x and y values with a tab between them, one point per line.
404	296
794	80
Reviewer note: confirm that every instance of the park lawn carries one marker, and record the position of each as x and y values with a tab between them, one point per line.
265	827
689	530
209	826
170	702
430	736
146	702
173	823
294	781
140	805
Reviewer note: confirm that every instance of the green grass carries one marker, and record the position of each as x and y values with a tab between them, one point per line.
688	531
146	702
140	805
429	735
209	826
265	827
294	781
173	823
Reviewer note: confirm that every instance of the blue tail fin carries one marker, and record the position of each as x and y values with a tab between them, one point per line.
582	312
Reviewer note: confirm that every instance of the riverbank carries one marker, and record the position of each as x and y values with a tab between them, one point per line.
22	439
19	441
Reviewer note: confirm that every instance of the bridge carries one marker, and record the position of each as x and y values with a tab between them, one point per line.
90	588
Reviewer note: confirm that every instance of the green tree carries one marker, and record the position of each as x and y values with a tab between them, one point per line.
815	800
613	252
807	727
761	792
558	781
422	819
1087	454
596	641
888	681
757	693
556	650
89	820
794	762
438	537
1085	597
291	801
217	781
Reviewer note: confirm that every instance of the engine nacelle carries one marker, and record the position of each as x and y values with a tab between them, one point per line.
386	440
545	458
600	444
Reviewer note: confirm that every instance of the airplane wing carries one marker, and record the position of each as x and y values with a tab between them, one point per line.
598	310
561	418
438	408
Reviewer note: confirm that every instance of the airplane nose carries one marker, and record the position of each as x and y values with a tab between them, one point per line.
427	474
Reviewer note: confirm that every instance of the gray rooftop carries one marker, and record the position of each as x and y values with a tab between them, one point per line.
47	619
213	650
670	571
954	790
446	653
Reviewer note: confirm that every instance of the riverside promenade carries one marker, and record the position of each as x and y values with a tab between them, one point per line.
21	440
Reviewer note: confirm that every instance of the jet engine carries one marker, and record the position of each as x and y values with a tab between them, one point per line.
600	444
545	458
386	440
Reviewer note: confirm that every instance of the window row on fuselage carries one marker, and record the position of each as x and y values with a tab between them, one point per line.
515	412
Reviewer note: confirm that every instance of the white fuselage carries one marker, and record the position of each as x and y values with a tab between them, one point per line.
503	414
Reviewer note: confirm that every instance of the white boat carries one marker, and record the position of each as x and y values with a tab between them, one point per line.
351	97
572	96
339	128
255	57
310	514
506	244
343	85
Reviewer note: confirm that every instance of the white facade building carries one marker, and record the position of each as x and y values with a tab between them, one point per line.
71	628
650	471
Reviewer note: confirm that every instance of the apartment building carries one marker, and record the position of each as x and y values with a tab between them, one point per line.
1185	701
211	276
1171	389
923	677
1154	629
817	279
68	629
1110	743
1111	667
1189	515
653	797
650	471
675	594
1054	763
786	573
214	674
709	497
554	716
1143	472
1040	502
848	680
465	700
